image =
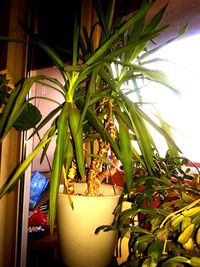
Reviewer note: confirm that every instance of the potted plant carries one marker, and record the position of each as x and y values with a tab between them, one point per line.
162	221
95	112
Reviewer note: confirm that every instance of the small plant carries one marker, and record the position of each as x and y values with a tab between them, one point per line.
163	223
6	87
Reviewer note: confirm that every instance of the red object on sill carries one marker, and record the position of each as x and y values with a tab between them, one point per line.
37	218
118	179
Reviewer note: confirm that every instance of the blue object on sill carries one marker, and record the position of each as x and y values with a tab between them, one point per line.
38	185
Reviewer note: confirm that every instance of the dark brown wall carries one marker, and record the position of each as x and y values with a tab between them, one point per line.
4	27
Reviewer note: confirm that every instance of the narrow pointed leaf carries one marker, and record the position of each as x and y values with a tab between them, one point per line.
77	135
158	47
162	130
54	84
121	30
142	135
52	54
45	148
23	166
69	153
126	155
95	121
131	45
153	75
58	160
90	90
75	41
46	120
154	22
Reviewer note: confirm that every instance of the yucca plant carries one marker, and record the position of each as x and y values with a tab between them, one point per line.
95	107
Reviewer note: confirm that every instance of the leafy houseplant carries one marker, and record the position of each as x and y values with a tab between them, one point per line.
95	108
163	221
30	115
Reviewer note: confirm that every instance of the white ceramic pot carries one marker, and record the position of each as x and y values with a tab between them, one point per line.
80	246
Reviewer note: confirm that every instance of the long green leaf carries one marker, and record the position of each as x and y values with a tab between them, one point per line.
137	156
105	21
162	130
142	135
90	89
100	95
134	36
149	30
46	120
104	159
106	77
121	30
69	153
123	116
95	121
75	41
52	54
153	75
58	160
158	47
59	87
45	148
131	45
126	155
23	166
77	135
156	19
82	48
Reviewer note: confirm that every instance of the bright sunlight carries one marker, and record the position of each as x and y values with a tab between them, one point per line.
180	111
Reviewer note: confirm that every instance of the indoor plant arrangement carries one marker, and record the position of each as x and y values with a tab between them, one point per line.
163	222
95	108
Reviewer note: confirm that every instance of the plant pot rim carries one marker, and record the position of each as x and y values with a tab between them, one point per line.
114	192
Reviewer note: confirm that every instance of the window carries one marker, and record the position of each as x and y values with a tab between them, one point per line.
180	111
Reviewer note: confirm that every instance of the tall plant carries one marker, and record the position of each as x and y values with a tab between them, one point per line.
93	106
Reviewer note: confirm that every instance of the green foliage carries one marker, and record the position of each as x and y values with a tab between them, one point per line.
5	90
163	221
29	118
89	81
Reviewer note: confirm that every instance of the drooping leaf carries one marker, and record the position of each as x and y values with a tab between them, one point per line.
50	116
58	160
126	152
176	259
143	137
17	99
28	118
24	165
